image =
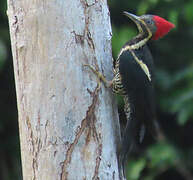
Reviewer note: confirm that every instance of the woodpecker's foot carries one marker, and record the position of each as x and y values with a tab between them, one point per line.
100	76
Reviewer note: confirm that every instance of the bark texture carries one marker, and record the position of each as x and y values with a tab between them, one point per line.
68	125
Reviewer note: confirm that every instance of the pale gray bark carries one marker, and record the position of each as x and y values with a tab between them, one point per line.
68	126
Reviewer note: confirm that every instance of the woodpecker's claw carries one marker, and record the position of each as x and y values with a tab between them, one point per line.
99	76
93	70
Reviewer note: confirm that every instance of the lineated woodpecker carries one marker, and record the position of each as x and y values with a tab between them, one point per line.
133	79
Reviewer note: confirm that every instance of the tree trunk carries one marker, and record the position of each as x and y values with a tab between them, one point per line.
68	125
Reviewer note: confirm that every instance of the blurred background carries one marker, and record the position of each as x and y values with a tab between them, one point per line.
169	158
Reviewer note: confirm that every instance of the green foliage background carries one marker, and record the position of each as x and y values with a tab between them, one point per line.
169	158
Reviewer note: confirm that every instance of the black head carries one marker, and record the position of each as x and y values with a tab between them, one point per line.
149	22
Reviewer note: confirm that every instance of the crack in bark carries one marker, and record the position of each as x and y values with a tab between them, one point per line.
84	124
91	122
36	145
90	41
34	162
87	34
79	39
98	160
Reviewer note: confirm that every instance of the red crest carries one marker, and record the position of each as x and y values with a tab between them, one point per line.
163	27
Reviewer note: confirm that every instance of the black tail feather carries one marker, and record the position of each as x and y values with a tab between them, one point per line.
142	119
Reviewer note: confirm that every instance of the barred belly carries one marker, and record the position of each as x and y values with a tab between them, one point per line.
117	86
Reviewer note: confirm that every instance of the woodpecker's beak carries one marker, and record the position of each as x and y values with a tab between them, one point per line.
133	17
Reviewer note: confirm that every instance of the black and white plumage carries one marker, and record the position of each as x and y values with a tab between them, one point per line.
136	76
133	79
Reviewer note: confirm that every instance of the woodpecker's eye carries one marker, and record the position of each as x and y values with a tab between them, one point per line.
149	21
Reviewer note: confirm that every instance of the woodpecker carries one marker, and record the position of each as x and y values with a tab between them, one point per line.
134	78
